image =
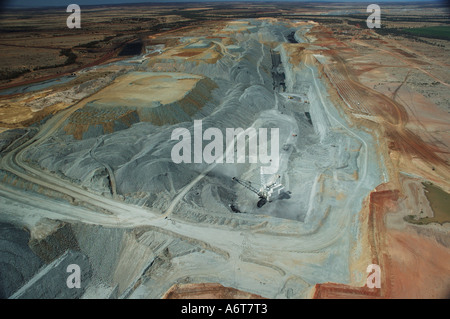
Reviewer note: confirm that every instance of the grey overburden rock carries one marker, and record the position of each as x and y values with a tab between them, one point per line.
51	281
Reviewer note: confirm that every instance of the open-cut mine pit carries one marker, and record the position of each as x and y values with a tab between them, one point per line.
88	177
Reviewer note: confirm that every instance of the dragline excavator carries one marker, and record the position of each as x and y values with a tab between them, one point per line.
268	191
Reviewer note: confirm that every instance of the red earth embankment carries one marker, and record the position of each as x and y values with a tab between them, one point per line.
412	265
207	291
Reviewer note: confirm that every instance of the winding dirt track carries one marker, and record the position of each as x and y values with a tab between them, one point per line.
395	119
233	246
408	62
269	252
390	248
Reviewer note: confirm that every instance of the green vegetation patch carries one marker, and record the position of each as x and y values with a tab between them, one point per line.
440	204
6	74
437	32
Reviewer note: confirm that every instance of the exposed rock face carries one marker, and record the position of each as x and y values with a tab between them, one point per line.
15	137
142	226
18	263
51	281
92	122
158	98
54	244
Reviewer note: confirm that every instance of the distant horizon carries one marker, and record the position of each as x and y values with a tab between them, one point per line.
29	4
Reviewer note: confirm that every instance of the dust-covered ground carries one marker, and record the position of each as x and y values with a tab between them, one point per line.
97	183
